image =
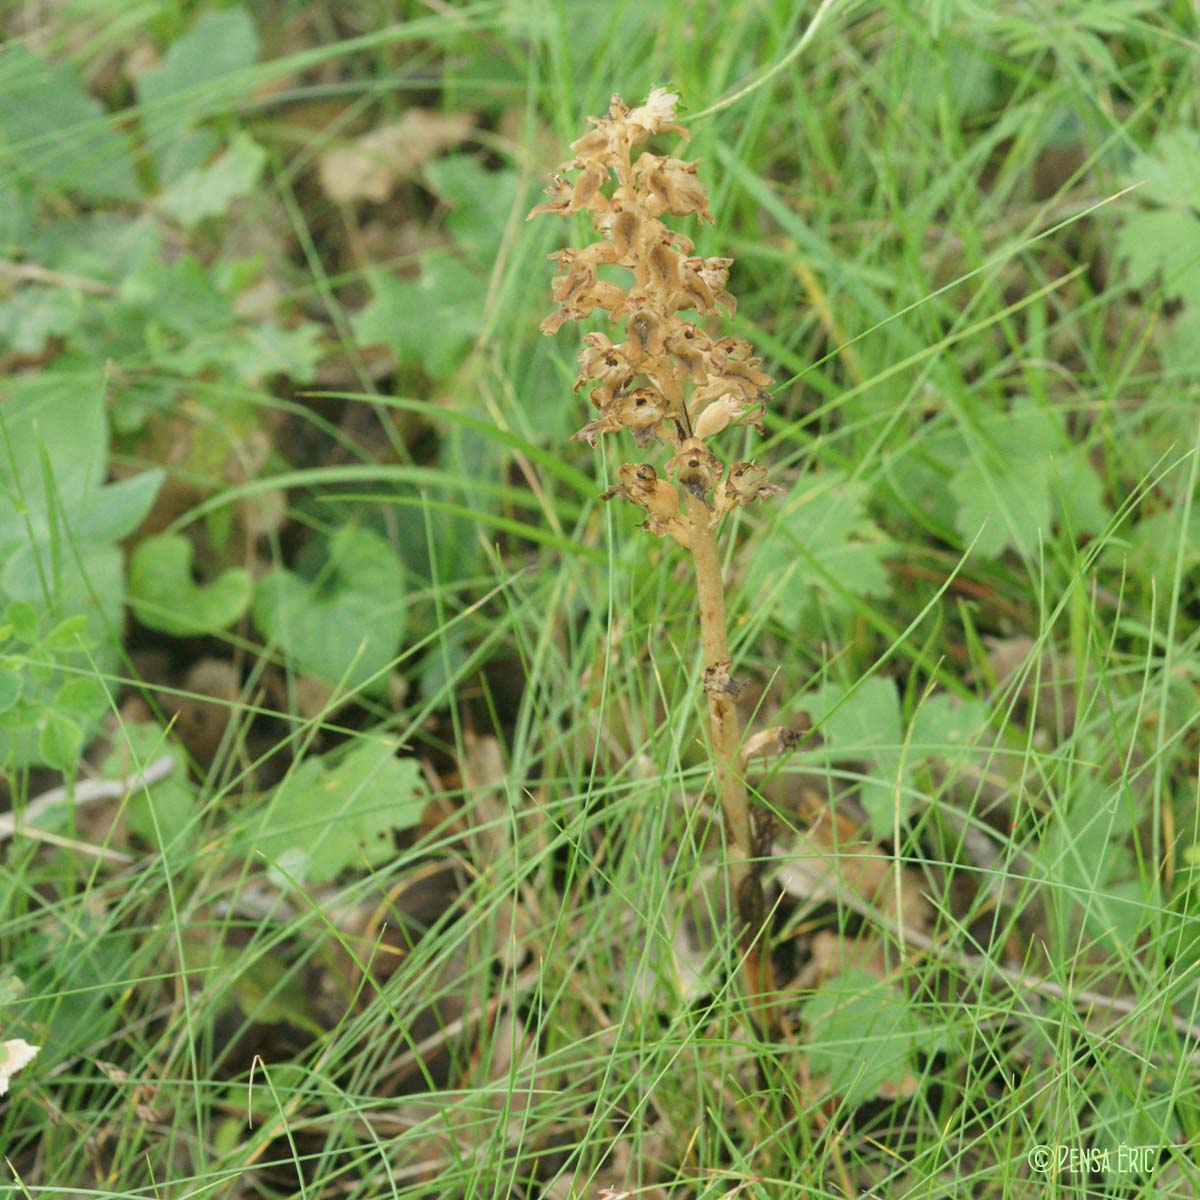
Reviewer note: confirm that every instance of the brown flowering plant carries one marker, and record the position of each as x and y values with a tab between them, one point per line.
671	384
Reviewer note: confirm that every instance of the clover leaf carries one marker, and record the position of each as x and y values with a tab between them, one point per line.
164	596
344	625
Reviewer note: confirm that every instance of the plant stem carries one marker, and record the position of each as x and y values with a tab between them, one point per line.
745	882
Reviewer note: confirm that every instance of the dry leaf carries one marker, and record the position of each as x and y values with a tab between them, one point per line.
516	1073
370	167
1051	682
212	687
831	859
484	775
833	954
14	1055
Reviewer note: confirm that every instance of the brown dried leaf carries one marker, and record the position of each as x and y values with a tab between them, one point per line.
1051	682
484	775
832	954
830	860
14	1055
202	716
371	166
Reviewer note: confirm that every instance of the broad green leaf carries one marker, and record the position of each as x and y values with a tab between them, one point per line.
69	634
204	70
18	211
1169	173
326	817
180	296
166	808
1085	852
24	620
208	191
862	1034
59	742
971	80
430	321
996	510
270	350
86	579
1162	242
63	415
1124	1119
1003	499
56	133
252	353
945	727
61	418
1077	492
540	377
345	626
1015	489
480	202
100	246
11	683
864	724
164	596
35	315
58	523
116	510
1162	238
165	811
918	474
824	547
1181	353
1156	543
81	697
89	583
18	727
269	991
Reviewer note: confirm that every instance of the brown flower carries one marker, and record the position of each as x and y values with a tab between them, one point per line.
640	484
695	467
672	186
670	379
745	482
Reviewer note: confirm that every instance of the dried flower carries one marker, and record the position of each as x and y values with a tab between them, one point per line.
744	483
719	680
640	484
670	381
695	467
779	739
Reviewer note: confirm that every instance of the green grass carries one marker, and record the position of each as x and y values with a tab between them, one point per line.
534	994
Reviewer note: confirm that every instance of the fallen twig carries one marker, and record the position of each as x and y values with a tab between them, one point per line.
89	791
